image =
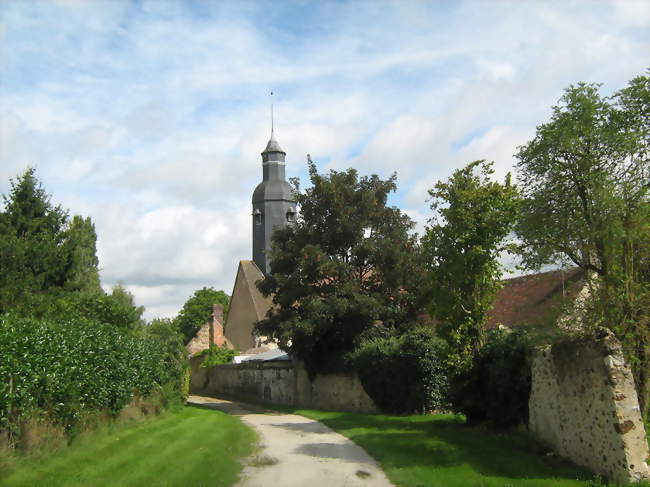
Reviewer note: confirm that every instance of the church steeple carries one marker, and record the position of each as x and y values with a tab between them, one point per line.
273	203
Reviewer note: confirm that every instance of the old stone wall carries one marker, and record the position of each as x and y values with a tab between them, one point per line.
332	392
583	404
281	382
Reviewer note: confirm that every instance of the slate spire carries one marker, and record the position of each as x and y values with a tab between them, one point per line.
273	202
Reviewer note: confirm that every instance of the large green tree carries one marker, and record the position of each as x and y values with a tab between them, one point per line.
348	264
197	310
586	180
41	250
473	215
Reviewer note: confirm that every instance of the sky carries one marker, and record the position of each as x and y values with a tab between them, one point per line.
150	117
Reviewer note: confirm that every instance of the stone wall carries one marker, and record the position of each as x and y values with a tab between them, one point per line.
282	382
583	404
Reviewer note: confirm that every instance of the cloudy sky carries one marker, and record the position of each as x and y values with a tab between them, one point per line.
150	116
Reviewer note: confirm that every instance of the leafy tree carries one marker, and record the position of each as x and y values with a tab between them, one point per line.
585	177
197	310
474	215
42	252
31	237
347	264
80	247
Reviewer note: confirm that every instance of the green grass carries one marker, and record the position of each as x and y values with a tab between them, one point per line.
189	447
440	451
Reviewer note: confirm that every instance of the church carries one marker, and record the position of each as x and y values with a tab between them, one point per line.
273	207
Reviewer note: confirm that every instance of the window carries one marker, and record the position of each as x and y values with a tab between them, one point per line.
291	215
257	216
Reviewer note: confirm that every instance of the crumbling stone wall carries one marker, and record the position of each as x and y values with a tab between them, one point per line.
583	404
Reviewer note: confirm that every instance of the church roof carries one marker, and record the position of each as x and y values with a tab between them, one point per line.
252	274
273	146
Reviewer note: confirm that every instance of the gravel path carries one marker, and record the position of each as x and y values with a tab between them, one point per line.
297	451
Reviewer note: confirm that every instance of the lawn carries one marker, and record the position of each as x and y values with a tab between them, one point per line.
440	451
188	447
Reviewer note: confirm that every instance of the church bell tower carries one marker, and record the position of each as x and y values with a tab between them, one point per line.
273	203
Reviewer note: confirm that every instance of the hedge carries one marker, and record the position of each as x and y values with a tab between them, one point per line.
404	374
62	368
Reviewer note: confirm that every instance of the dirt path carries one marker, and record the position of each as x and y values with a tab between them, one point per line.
297	451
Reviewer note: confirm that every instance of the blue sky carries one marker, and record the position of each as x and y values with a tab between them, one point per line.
150	116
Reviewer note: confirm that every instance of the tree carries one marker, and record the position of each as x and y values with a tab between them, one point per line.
42	251
31	237
474	215
197	310
586	180
347	264
80	247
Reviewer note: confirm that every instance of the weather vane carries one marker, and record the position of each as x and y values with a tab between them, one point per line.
271	99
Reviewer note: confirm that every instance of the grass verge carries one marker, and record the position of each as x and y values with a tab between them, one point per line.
188	447
441	451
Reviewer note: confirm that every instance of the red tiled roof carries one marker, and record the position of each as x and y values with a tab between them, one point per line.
535	299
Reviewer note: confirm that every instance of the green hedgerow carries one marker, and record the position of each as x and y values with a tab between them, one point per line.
404	374
63	368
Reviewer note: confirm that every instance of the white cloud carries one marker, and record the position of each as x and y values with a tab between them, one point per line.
151	117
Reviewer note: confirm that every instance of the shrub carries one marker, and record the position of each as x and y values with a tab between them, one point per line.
61	369
496	386
216	355
404	374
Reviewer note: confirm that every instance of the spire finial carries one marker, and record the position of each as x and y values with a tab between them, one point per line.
271	98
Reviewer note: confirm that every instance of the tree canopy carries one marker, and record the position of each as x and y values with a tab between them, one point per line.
473	215
349	263
41	250
585	178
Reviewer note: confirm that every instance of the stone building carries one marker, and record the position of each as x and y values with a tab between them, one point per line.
211	333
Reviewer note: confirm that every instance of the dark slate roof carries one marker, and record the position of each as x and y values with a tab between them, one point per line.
273	190
273	146
536	298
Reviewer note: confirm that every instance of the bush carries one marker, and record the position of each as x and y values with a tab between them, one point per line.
60	369
496	386
216	355
404	374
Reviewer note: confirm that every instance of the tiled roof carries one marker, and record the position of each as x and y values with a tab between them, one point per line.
536	298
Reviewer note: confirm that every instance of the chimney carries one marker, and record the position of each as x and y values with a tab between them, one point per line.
217	313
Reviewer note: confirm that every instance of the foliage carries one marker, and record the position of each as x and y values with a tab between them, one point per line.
585	181
176	449
197	310
80	247
116	309
66	367
404	374
165	332
348	262
216	355
438	450
496	386
474	215
41	250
